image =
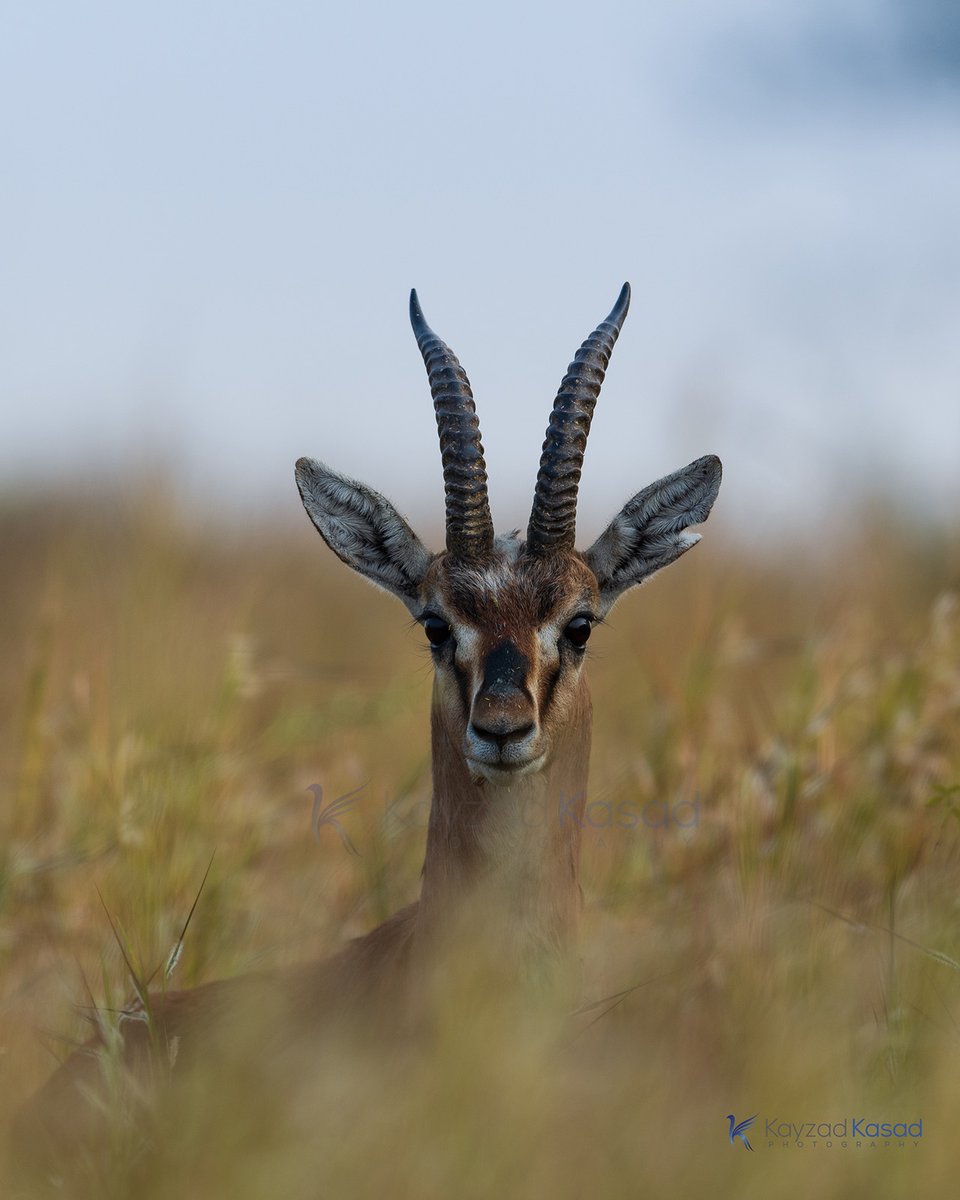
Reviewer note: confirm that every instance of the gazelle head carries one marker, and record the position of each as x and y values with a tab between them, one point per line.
508	619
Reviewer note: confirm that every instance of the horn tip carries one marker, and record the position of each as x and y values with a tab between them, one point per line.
619	311
419	322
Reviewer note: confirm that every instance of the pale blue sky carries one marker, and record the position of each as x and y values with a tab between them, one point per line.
212	214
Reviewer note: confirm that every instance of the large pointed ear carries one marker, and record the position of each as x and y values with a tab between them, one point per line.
364	530
649	532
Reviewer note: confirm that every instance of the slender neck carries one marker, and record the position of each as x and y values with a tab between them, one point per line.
513	848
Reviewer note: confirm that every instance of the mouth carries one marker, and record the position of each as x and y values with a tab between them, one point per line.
504	772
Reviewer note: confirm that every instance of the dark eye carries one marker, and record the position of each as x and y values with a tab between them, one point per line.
578	631
436	629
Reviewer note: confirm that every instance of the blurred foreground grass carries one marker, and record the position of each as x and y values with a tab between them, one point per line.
785	912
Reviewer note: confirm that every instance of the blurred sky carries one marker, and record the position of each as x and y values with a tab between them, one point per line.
211	216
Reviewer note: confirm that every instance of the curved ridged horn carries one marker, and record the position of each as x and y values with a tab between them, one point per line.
469	526
553	518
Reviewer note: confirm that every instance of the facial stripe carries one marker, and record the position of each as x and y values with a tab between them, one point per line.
549	688
463	686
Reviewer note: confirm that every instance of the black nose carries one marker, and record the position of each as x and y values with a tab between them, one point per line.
499	736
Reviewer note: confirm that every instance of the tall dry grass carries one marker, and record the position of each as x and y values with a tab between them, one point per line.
771	863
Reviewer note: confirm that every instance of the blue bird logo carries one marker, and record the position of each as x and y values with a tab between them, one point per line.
740	1131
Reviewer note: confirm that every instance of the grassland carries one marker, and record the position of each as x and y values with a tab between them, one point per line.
781	931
